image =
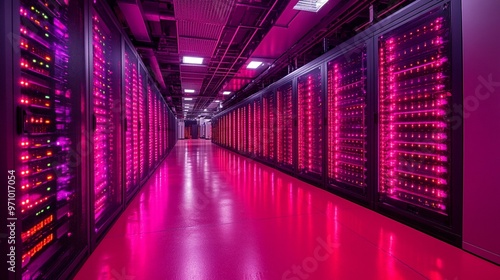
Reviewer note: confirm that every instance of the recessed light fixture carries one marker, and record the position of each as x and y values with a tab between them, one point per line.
218	101
188	98
310	5
254	64
192	60
189	90
204	110
226	92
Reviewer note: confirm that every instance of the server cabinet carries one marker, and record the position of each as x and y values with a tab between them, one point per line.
131	89
251	128
142	125
245	129
416	175
347	122
269	125
45	202
155	126
106	120
257	109
150	122
240	129
284	134
310	124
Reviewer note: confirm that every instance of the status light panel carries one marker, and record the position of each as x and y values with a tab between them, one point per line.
310	123
104	146
135	122
245	129
251	128
347	130
415	93
150	127
46	186
241	125
257	130
129	112
269	125
285	125
142	126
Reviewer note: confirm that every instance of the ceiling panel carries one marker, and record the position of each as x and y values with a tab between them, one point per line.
195	29
207	11
194	69
196	47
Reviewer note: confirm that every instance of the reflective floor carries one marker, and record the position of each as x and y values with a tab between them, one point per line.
208	213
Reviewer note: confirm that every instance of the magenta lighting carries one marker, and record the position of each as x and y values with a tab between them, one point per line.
310	123
103	136
347	120
285	125
414	132
44	179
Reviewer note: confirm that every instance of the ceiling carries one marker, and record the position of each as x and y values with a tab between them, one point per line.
229	34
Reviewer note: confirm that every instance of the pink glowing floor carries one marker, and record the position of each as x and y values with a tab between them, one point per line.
208	213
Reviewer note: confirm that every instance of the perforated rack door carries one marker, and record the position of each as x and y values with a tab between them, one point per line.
310	123
415	98
347	128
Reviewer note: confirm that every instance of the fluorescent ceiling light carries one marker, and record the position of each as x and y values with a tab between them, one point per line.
218	101
226	93
254	64
189	90
188	98
192	60
310	5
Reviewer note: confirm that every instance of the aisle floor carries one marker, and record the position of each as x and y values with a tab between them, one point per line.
208	213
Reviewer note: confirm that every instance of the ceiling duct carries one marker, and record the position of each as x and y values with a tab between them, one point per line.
133	13
153	63
155	11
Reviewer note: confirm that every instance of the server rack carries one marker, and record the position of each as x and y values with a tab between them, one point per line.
131	121
388	95
257	126
285	126
142	124
347	128
269	125
46	214
420	155
106	121
310	125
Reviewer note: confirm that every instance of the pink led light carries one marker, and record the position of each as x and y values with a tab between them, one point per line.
413	133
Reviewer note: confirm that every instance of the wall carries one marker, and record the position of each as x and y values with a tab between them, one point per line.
481	116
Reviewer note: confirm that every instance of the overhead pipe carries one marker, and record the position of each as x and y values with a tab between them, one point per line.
155	67
246	45
279	60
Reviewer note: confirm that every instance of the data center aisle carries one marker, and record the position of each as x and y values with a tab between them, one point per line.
209	213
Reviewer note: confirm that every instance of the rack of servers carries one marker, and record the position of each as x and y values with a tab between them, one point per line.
85	127
370	119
